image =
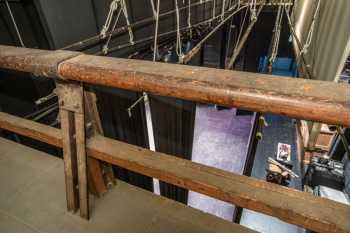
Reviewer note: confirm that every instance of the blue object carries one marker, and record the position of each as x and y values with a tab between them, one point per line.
283	66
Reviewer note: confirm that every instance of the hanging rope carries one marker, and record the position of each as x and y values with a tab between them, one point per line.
252	8
114	6
105	47
277	34
178	36
223	9
153	9
155	52
131	34
311	30
189	18
241	29
214	8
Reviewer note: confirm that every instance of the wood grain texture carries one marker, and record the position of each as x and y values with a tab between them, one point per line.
70	159
31	129
289	205
298	98
82	165
320	101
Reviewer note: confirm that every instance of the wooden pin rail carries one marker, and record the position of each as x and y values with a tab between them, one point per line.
292	206
305	99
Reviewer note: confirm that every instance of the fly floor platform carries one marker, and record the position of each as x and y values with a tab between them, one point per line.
32	200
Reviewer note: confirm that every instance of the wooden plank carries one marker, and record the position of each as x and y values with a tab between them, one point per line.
70	159
31	129
289	205
95	167
82	162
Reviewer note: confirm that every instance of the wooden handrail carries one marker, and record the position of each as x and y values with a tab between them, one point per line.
287	204
319	101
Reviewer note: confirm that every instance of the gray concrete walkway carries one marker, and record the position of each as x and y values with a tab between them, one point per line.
32	200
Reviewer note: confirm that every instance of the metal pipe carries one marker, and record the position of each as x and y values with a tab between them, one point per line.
193	51
300	47
243	40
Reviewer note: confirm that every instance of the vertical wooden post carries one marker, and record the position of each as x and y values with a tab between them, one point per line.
71	104
70	160
82	163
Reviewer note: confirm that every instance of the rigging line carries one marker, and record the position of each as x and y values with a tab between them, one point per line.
276	35
194	50
245	37
299	45
112	7
105	47
223	9
153	9
311	30
178	35
125	11
214	8
14	24
95	39
152	37
241	29
229	39
189	18
155	48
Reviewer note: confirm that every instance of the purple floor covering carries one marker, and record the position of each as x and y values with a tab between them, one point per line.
220	140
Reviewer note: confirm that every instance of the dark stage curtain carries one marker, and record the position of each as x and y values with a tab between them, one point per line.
117	124
173	126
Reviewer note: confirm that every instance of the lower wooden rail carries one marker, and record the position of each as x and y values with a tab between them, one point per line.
299	208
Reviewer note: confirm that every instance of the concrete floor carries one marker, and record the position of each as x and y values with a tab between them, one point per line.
220	140
32	199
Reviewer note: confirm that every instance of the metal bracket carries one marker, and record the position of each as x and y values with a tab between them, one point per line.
70	96
144	97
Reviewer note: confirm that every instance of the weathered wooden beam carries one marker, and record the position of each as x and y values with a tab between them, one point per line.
69	159
289	205
92	118
35	61
300	208
258	92
82	165
31	129
319	101
71	99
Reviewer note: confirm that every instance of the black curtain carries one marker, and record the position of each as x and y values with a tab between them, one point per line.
173	126
113	105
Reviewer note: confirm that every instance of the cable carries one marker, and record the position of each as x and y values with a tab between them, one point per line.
14	24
